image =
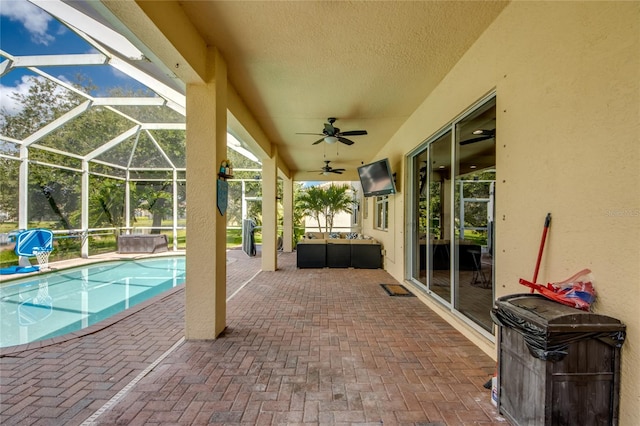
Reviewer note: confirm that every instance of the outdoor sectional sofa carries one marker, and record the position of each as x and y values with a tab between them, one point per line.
338	250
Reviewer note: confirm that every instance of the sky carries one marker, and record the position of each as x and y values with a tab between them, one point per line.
26	29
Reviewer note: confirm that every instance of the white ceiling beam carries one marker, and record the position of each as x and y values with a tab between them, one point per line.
162	90
57	151
55	166
9	139
164	126
133	151
104	163
155	169
59	82
130	101
90	26
44	131
5	66
107	176
113	142
159	148
180	109
122	114
59	60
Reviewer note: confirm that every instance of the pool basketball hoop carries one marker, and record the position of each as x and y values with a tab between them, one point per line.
35	242
42	254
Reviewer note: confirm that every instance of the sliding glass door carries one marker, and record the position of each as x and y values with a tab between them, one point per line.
453	189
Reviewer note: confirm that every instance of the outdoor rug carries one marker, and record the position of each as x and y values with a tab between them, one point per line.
396	290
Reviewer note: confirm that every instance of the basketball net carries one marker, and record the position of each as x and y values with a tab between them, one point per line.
43	258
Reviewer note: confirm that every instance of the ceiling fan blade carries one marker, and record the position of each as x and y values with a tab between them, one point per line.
338	170
345	140
474	140
318	134
354	133
318	141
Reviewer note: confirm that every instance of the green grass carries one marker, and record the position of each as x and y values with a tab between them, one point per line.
69	248
476	237
234	237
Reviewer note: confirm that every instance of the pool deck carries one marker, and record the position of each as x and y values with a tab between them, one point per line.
302	346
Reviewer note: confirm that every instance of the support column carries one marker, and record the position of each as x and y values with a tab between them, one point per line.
84	214
269	213
23	188
175	210
127	203
205	308
287	207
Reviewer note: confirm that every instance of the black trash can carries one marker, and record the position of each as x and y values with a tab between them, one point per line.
557	365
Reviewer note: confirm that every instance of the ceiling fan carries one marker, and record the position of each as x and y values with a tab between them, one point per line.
331	134
328	169
481	135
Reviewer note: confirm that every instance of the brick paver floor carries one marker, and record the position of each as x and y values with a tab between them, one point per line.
309	346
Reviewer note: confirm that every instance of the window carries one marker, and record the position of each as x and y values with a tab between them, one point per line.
382	209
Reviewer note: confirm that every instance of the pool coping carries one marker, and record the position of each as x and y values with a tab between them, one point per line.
77	262
94	328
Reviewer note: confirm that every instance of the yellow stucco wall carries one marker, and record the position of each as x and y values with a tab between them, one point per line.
567	81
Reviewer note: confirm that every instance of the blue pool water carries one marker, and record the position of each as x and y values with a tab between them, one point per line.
59	302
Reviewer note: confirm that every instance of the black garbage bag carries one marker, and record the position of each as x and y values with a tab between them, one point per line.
547	341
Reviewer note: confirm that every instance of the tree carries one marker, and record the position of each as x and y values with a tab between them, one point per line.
316	201
337	200
155	197
51	190
54	193
9	174
311	202
106	203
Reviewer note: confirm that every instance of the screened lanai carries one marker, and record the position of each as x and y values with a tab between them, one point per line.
92	136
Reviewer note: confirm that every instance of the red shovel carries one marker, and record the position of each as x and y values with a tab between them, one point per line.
547	222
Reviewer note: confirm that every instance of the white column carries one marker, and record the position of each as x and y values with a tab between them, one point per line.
23	188
84	212
175	210
205	316
287	207
244	200
127	202
269	214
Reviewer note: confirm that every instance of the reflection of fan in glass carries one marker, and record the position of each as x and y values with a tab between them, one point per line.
328	169
481	135
331	134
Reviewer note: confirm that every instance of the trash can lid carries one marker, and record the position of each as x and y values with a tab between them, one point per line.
554	316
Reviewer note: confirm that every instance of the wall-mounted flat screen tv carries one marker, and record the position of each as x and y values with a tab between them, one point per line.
377	179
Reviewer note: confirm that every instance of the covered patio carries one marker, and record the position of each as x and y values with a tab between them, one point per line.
321	346
330	346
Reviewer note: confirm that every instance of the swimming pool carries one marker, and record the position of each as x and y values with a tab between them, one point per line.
56	303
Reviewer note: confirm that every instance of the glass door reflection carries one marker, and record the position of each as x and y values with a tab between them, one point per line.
474	194
438	239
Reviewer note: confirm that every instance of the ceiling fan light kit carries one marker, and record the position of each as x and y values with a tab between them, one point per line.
331	139
327	169
331	134
482	135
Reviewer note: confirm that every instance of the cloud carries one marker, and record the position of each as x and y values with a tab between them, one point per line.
11	106
34	19
7	93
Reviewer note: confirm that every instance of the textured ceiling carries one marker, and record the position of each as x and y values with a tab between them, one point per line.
370	64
